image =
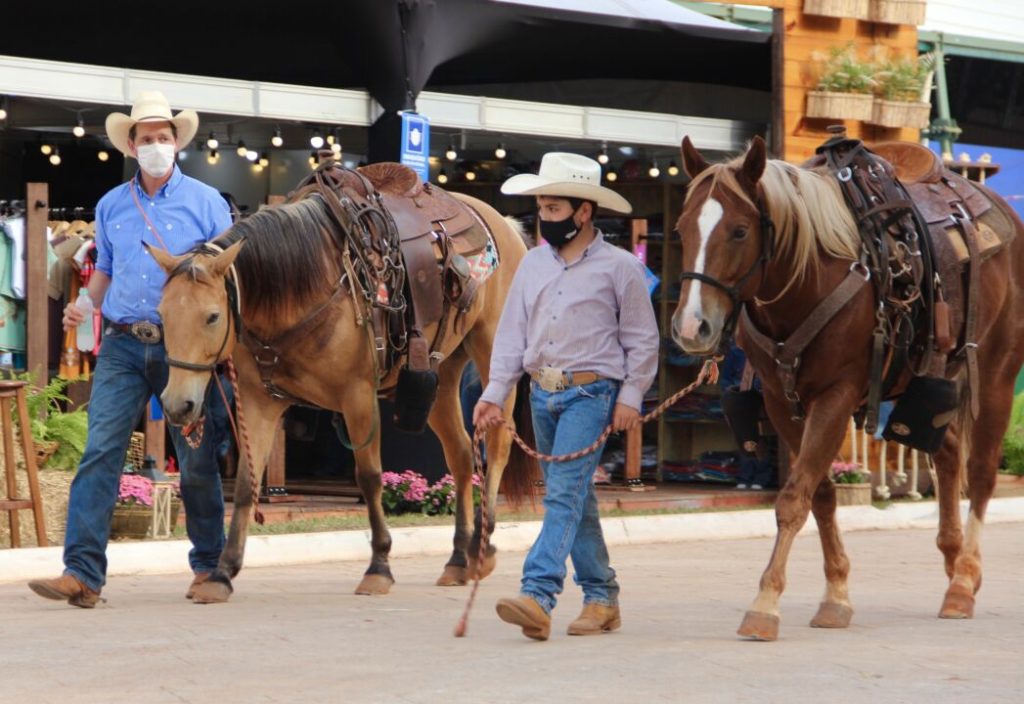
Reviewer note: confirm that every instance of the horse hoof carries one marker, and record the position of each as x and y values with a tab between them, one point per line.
832	615
210	592
375	585
452	576
759	626
490	562
959	603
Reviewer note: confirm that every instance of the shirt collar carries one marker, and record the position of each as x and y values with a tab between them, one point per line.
167	189
595	245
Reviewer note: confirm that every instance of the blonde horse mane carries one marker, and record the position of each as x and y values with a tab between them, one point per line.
809	212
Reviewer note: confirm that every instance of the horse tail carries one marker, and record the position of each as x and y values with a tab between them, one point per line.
522	472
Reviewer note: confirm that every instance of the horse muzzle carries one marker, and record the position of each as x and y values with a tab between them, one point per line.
695	334
181	411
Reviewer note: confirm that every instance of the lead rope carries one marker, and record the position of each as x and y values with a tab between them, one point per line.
243	430
708	375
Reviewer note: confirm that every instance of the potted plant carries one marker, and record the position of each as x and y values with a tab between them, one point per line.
853	484
844	89
899	86
59	437
856	9
910	12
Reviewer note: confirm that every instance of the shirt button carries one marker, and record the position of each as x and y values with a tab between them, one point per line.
170	226
143	300
143	276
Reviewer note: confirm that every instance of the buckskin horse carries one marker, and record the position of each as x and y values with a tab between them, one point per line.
309	288
774	250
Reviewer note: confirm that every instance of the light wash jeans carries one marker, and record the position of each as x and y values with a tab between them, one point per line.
128	372
564	422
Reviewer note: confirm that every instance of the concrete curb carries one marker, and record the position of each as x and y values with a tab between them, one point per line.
163	557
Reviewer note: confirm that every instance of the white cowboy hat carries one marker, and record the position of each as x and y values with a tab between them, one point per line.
151	106
567	175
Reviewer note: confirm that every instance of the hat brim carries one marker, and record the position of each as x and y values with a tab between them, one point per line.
535	185
119	125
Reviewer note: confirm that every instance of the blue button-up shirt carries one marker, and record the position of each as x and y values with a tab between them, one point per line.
186	212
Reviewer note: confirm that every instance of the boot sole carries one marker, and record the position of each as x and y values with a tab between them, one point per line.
613	625
78	600
512	613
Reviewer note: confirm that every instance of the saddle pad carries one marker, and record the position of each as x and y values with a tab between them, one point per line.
482	260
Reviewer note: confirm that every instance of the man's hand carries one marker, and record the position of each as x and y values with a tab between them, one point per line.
73	315
624	418
488	415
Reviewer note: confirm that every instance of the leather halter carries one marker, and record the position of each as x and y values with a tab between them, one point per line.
767	228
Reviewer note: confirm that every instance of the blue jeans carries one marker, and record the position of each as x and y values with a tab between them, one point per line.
564	422
127	373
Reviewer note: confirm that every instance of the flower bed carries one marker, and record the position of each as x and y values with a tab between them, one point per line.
410	492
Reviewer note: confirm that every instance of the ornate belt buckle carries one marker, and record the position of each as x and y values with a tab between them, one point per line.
146	332
551	379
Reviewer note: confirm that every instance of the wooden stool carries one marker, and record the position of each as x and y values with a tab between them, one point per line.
14	391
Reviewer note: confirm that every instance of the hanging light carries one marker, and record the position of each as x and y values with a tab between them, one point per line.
611	176
241	150
55	157
211	142
332	137
103	155
213	157
451	154
500	151
442	177
313	159
257	168
46	148
654	171
252	155
277	140
79	129
673	170
602	156
317	140
3	108
471	175
264	159
336	149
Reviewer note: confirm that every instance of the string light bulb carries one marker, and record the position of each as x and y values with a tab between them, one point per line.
654	171
500	152
336	148
317	140
46	149
451	154
211	142
471	175
79	129
264	160
442	177
213	157
241	150
312	159
673	169
3	108
103	155
277	140
602	156
252	155
55	157
611	176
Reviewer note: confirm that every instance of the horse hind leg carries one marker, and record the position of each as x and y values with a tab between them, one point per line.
835	610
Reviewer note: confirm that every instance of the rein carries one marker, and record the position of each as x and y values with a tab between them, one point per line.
708	375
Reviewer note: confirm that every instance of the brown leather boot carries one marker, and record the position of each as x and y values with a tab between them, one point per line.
596	619
196	581
527	613
65	588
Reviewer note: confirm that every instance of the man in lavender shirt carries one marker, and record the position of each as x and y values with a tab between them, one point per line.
579	321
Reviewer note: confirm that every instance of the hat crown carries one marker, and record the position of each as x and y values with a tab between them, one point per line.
151	104
567	167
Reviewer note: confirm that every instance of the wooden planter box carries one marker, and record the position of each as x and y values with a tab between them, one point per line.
894	113
910	12
839	106
136	522
857	9
853	494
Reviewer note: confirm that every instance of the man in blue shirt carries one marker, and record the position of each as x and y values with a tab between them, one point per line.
163	208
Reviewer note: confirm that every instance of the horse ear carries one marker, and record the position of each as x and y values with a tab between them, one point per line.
167	261
223	261
755	160
693	162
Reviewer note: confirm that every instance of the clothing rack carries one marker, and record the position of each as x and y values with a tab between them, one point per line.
12	208
75	213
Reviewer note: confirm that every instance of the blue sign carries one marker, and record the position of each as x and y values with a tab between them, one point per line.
416	143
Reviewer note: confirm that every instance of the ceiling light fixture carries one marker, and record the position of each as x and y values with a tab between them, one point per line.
46	149
79	129
103	155
451	154
252	154
264	160
471	175
442	177
317	140
654	171
277	140
673	169
611	176
602	156
3	107
211	142
241	150
500	152
55	157
213	157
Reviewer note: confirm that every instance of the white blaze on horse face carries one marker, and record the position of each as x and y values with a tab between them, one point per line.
710	215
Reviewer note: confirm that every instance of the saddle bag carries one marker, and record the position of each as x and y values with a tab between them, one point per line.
414	396
923	413
742	410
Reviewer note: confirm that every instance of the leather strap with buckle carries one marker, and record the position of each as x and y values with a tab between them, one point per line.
143	331
552	380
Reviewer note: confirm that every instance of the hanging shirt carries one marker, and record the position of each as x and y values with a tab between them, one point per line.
186	212
15	229
593	315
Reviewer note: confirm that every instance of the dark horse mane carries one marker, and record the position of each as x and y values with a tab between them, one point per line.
286	261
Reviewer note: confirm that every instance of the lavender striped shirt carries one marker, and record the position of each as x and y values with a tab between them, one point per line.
594	315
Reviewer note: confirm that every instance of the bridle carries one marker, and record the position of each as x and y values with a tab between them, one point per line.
767	227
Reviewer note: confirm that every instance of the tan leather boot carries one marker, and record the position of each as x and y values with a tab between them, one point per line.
65	588
596	619
199	579
526	613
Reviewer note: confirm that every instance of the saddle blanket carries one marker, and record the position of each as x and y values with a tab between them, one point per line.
483	263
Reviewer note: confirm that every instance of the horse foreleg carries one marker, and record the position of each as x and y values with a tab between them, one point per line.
947	490
835	610
260	419
821	438
499	447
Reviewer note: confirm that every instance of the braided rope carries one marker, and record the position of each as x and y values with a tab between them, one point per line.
708	375
254	484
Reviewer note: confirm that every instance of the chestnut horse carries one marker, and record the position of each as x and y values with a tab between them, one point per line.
289	264
730	264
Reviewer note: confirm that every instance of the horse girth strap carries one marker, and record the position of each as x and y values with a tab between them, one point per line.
786	354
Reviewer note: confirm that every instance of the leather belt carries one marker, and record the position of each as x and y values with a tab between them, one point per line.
143	331
552	380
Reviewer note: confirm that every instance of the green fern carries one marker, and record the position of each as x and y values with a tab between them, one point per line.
1013	441
49	423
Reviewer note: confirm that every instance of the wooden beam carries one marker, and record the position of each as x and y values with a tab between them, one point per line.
37	330
774	4
275	466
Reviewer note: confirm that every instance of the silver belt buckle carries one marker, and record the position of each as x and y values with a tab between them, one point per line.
551	379
146	332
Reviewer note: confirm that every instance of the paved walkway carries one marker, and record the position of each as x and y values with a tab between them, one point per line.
297	634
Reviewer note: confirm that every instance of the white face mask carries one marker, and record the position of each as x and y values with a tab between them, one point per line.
156	159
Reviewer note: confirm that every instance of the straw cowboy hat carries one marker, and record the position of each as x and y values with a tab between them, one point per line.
567	175
150	106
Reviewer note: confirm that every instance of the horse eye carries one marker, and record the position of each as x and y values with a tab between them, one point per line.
740	233
212	318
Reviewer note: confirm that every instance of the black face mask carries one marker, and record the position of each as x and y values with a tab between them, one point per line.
558	232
